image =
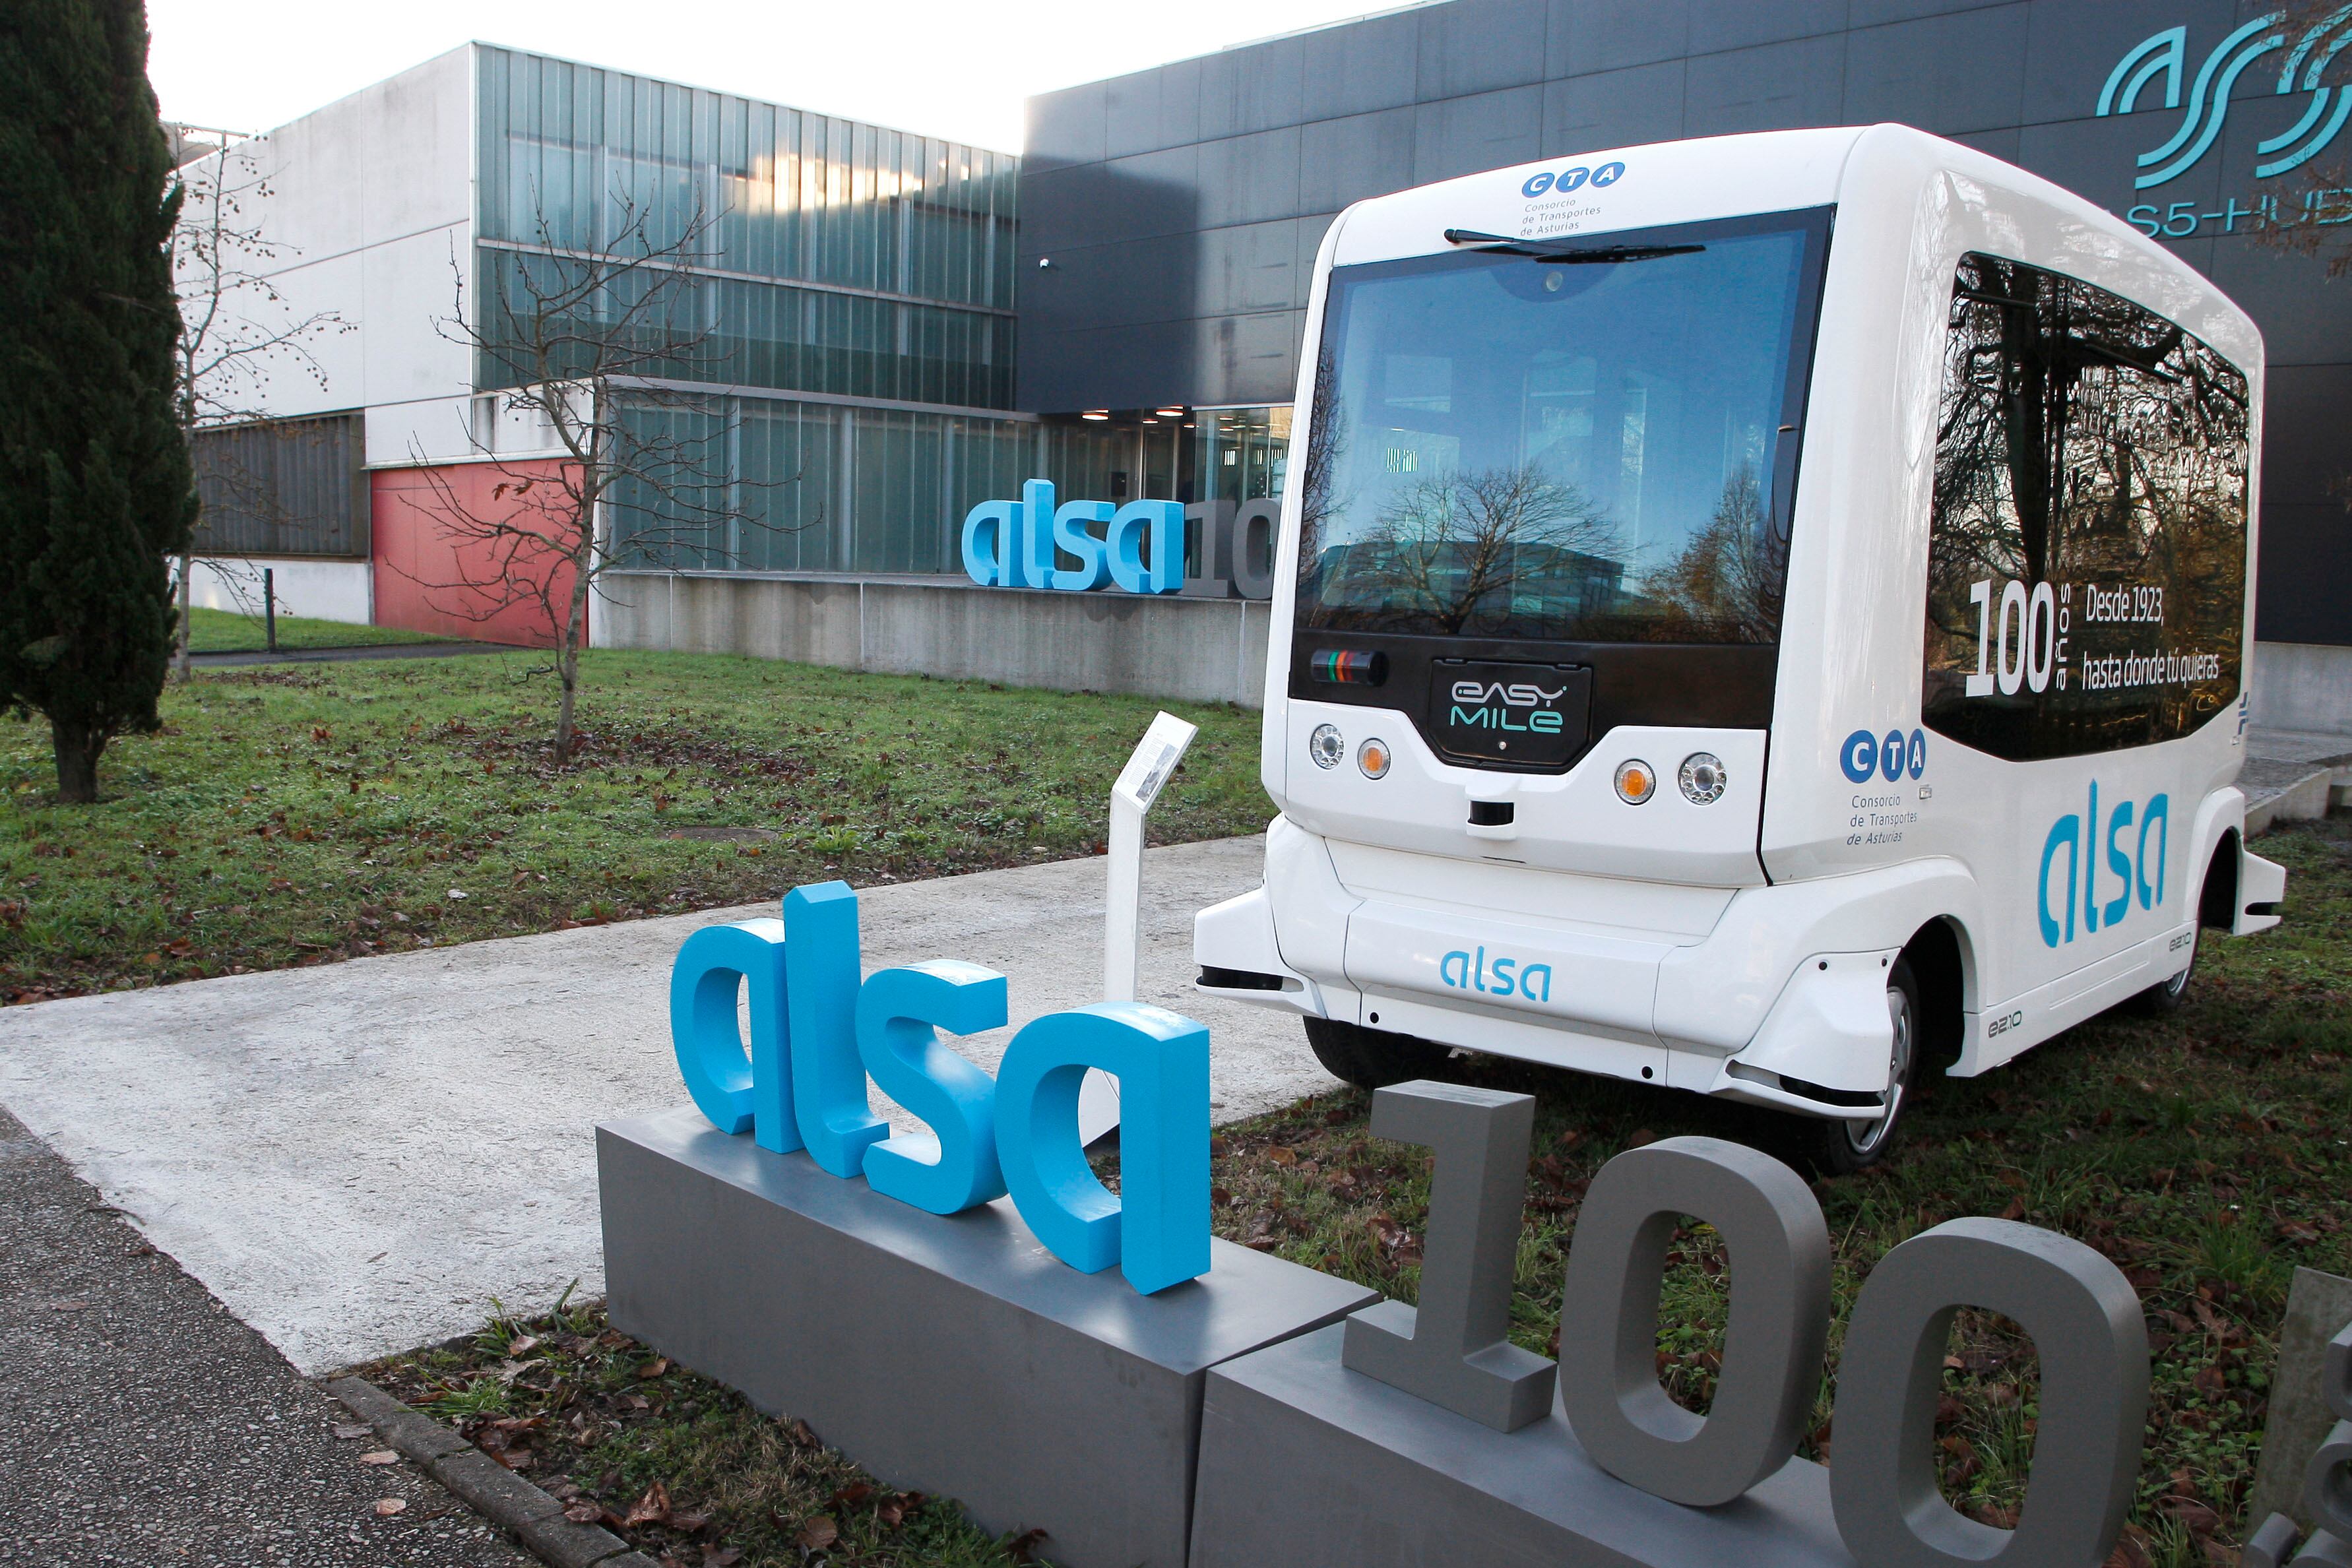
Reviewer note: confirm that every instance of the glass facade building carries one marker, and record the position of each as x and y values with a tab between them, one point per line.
841	258
847	292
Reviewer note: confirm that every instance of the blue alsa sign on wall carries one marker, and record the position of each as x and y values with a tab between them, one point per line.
1139	547
819	1030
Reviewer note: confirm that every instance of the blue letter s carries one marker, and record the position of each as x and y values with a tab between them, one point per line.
956	1169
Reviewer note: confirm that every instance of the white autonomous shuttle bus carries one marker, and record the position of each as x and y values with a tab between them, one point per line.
1752	613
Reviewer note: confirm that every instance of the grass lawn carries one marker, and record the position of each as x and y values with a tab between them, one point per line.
297	814
226	632
2206	1154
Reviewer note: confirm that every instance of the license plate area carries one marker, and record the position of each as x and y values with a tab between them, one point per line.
1509	715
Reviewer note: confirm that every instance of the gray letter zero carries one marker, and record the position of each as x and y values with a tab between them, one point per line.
1454	1350
2084	1320
1772	1351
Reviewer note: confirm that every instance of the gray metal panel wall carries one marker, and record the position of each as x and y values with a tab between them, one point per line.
1162	199
284	487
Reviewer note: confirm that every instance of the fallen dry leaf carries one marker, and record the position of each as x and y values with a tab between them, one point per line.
818	1533
381	1457
655	1368
651	1509
2131	1550
386	1506
585	1512
350	1431
1280	1156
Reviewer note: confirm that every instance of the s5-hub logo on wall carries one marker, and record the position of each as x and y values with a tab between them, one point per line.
2300	54
1573	179
1528	716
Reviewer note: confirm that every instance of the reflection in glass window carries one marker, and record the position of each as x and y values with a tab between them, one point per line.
1239	453
2087	566
1590	442
908	239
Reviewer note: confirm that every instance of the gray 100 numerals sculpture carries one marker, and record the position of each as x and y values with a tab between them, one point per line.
2326	1486
1592	1462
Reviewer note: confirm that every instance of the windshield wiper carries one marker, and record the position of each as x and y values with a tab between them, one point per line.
1594	255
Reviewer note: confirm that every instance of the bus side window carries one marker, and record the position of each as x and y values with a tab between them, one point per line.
2086	563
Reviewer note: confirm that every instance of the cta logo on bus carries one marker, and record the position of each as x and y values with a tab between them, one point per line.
1573	179
1891	756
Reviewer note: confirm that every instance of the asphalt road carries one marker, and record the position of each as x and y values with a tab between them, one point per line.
140	1424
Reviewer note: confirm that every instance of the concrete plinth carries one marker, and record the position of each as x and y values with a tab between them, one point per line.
949	1356
1304	1463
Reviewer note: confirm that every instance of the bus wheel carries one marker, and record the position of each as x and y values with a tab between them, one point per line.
1370	1058
2167	997
1842	1148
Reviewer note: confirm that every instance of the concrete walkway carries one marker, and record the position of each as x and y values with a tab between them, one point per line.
351	655
356	1159
2293	775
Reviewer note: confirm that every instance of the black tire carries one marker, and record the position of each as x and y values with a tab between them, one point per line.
1842	1148
2168	997
1370	1058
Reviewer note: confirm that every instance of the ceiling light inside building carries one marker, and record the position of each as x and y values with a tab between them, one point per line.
1096	414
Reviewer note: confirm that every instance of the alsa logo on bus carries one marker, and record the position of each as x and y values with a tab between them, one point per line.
1573	179
1463	971
1484	713
2135	872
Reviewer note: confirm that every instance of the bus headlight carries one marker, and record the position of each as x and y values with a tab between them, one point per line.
1702	778
1635	782
1326	746
1372	756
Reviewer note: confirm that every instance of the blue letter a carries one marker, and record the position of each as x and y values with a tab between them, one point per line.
734	1092
1157	1229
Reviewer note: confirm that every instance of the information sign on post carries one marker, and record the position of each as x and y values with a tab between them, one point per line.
1139	782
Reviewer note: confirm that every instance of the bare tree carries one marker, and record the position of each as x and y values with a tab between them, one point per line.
599	351
1725	584
1456	549
236	330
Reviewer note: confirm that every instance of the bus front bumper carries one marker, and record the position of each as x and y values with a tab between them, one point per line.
1782	1004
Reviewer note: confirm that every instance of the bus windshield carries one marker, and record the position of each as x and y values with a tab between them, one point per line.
1586	439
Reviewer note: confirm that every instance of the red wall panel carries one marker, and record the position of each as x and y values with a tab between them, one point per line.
434	572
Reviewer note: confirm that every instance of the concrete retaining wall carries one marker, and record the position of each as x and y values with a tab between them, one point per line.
1197	650
2302	686
328	589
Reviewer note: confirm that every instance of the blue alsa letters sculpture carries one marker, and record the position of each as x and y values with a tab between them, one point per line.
1018	544
819	1030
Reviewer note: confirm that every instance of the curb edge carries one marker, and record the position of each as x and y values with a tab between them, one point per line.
534	1520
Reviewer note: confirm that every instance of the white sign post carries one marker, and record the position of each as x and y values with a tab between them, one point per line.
1139	783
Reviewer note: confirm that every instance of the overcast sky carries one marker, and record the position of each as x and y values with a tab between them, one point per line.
950	69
